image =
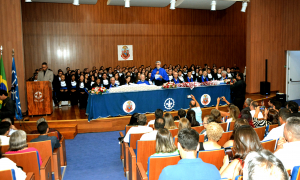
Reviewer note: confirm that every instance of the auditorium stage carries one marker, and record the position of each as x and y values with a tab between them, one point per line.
70	120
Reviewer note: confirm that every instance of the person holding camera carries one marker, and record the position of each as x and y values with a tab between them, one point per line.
195	106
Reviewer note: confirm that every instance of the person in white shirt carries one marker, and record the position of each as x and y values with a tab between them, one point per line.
159	123
4	131
277	132
195	106
253	106
263	165
158	113
141	128
289	146
7	164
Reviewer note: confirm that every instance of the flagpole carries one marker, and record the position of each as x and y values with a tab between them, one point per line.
13	53
1	49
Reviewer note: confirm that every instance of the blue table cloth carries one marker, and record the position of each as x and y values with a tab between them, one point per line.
121	104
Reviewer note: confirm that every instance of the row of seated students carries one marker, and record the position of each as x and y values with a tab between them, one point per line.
16	139
249	153
73	85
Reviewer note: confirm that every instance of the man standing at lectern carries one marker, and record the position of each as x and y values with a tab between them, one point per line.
159	75
45	74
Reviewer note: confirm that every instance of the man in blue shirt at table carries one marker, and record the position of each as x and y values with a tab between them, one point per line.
189	167
195	106
159	75
143	81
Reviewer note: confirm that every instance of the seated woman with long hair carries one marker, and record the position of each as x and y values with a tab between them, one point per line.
183	123
245	141
165	144
18	144
169	121
233	111
239	122
191	116
217	115
245	114
214	132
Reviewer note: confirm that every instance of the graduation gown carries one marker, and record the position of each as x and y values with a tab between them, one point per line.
187	79
105	83
83	94
63	96
176	81
158	81
73	95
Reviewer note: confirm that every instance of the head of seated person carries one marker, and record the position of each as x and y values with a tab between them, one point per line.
208	119
277	105
176	118
43	128
133	119
142	120
164	141
191	116
214	133
283	114
273	116
183	123
247	102
192	104
169	121
188	143
159	123
4	128
234	112
263	165
239	122
253	105
245	140
292	106
217	115
17	141
181	113
245	114
158	113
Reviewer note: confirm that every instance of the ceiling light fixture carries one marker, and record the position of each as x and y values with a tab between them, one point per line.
76	2
244	6
172	6
127	3
213	5
28	1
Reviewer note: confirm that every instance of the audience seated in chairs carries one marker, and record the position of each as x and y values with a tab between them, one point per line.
253	107
169	121
195	106
12	127
189	167
183	123
191	116
245	114
43	129
7	164
214	132
158	124
263	165
217	115
293	107
270	117
206	120
4	131
288	146
181	113
247	104
18	144
245	141
239	122
164	143
277	132
158	114
50	129
141	128
133	120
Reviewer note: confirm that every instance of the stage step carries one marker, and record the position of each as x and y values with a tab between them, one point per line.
69	131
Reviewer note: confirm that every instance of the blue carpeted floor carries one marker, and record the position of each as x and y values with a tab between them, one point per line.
94	156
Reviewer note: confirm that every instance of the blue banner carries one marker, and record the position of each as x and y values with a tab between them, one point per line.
127	103
15	91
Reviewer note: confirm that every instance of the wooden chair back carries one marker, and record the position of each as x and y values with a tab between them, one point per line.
140	172
231	126
8	174
224	126
272	127
176	123
144	150
126	147
157	164
45	150
225	137
260	132
127	128
22	159
134	138
174	132
132	164
214	157
121	147
4	148
199	129
33	136
201	139
269	145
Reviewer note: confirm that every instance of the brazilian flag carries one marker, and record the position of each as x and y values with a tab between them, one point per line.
3	82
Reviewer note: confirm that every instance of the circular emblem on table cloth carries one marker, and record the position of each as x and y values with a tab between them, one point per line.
205	99
38	95
169	103
128	106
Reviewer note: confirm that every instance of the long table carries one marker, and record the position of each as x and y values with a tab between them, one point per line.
128	103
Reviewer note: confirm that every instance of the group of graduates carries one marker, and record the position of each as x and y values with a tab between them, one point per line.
73	86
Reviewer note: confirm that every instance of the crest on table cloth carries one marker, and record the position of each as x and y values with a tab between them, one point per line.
128	106
169	103
205	99
125	52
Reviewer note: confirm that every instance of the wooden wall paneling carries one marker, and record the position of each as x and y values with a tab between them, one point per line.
11	37
91	33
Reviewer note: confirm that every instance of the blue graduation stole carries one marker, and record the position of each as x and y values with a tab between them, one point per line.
203	79
64	88
176	82
190	80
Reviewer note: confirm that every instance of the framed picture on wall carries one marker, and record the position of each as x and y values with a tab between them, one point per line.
125	52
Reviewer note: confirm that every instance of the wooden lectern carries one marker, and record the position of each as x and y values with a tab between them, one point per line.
39	97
